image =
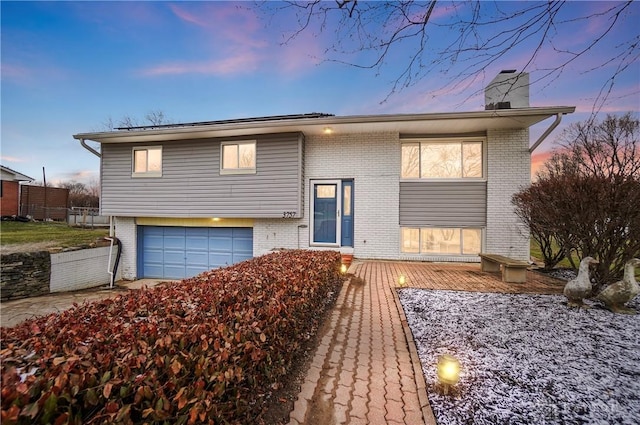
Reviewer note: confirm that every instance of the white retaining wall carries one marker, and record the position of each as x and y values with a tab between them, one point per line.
82	269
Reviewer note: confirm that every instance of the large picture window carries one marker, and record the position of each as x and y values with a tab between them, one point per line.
147	162
442	160
441	241
238	158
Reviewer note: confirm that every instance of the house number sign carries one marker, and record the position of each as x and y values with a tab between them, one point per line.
289	214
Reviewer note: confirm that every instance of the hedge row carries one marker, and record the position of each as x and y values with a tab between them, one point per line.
204	350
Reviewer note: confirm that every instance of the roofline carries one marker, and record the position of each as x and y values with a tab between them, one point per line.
229	121
299	124
19	176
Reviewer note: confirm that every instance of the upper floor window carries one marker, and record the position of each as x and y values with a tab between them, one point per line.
238	158
441	160
147	162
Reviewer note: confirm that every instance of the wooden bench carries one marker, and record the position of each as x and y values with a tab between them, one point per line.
512	270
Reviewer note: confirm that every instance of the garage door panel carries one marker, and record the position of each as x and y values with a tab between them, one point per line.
197	260
220	239
197	244
243	245
175	241
153	240
220	259
178	252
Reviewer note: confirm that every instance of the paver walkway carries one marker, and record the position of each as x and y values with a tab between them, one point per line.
362	371
15	311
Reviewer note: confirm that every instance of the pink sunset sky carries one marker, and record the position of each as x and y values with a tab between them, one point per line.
69	67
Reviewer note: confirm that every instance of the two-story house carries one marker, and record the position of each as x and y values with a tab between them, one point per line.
432	186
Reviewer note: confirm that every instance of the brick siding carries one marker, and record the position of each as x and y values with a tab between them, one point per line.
9	199
509	165
126	232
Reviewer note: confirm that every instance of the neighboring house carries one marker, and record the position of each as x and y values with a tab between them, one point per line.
10	191
430	187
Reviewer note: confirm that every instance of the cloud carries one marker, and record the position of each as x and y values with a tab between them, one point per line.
16	73
186	16
301	53
6	158
235	41
233	65
537	161
80	175
87	177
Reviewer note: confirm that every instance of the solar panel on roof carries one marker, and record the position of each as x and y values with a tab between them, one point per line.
232	121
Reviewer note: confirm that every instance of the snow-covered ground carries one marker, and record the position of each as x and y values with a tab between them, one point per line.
527	359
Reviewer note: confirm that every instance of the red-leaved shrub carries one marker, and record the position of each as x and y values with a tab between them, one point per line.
204	350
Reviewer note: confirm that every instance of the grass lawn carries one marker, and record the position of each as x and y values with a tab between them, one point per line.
63	235
536	252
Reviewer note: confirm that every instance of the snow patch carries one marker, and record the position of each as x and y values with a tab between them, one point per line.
527	358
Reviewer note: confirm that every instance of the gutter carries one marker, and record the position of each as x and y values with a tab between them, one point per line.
190	131
546	133
89	148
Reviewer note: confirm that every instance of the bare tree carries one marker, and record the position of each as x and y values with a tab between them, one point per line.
610	148
81	195
156	117
461	39
151	118
586	199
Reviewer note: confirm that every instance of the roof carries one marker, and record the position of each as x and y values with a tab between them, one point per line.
231	121
15	176
316	123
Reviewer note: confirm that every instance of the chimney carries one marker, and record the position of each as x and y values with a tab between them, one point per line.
509	90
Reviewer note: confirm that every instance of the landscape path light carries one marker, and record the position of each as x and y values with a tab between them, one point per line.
448	371
343	268
402	280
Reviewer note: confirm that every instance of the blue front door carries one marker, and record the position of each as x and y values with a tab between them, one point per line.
325	212
332	212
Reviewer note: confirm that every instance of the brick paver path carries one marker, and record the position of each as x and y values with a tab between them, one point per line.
362	371
365	369
468	277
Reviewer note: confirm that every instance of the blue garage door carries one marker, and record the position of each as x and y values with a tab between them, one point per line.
179	252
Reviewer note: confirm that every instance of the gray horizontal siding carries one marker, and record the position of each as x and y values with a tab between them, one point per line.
456	204
191	184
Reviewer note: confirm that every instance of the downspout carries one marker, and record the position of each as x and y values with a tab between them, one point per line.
111	271
548	131
89	148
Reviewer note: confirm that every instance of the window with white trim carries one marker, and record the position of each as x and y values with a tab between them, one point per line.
147	162
238	157
441	241
442	160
